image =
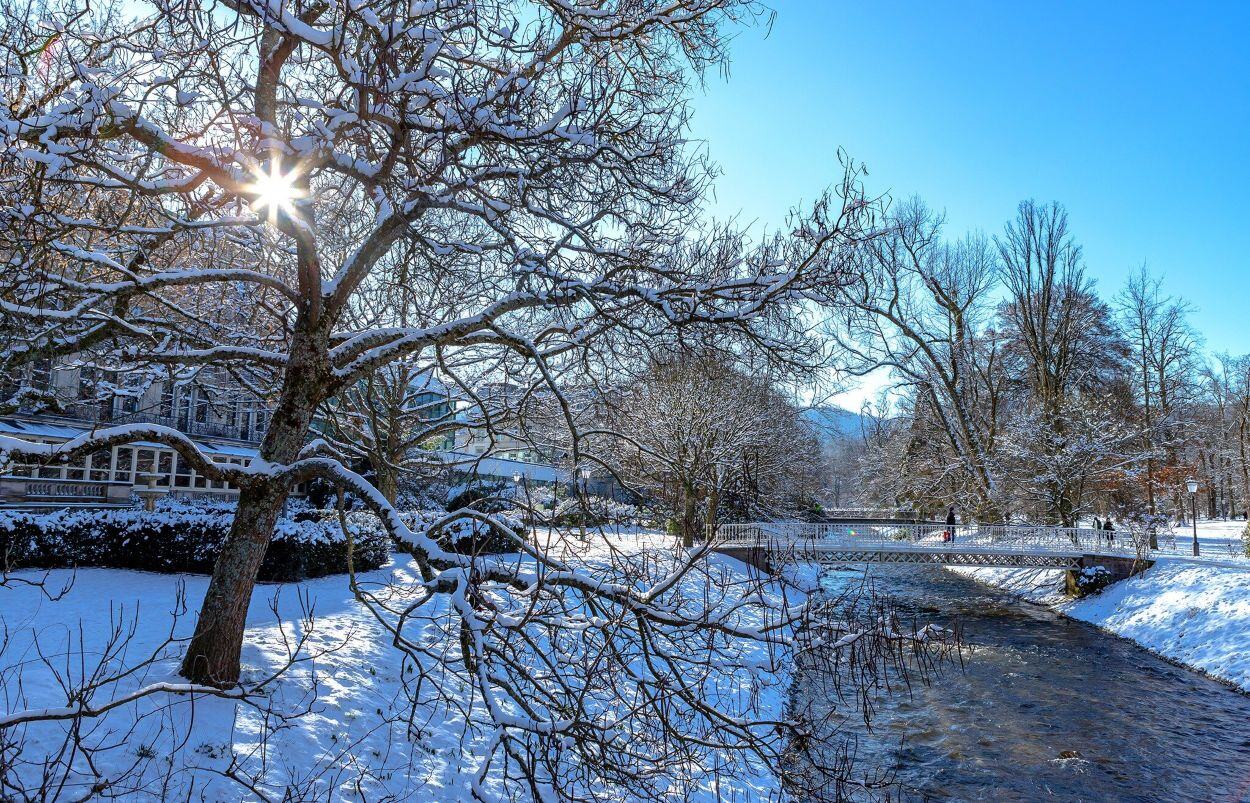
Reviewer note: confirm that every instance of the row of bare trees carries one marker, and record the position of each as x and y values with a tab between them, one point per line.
1024	393
711	441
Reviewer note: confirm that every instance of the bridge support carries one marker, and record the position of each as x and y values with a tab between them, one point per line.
1121	568
757	556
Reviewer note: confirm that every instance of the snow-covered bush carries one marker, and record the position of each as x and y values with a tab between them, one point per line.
1093	579
547	508
179	538
483	495
1245	540
466	535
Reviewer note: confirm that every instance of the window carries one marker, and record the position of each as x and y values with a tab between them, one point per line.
145	463
86	382
185	401
164	467
76	470
99	462
125	464
219	484
182	473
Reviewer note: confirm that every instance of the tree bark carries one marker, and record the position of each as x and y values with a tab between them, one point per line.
713	506
387	482
687	518
212	657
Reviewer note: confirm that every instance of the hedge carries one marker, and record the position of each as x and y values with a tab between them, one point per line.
465	535
180	540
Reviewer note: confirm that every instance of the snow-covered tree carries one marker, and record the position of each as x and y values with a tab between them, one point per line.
1163	359
395	420
702	435
166	166
921	307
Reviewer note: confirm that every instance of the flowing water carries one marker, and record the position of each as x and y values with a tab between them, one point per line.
1042	708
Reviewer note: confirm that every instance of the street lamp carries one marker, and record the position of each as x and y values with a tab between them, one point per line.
1192	484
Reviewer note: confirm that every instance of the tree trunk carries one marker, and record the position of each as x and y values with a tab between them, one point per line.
687	518
212	657
709	526
388	483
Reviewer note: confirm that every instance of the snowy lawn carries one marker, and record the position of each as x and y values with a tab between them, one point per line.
349	732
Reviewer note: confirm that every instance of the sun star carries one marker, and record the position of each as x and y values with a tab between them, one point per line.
274	189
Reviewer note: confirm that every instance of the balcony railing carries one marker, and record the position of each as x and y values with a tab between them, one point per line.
102	416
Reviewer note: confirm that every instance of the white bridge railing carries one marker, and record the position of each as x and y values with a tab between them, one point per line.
900	537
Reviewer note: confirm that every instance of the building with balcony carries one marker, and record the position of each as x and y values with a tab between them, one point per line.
55	404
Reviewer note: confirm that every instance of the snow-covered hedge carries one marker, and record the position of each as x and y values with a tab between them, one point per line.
180	540
552	510
463	535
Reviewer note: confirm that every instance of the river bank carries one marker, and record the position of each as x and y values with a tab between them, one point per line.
1194	613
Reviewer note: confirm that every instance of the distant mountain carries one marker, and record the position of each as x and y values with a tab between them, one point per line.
835	423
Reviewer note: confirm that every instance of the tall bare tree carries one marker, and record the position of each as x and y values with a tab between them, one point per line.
1164	350
921	307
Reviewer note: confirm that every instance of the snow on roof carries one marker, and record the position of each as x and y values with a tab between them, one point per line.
38	429
503	467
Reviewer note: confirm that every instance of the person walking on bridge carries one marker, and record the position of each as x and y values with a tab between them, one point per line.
949	535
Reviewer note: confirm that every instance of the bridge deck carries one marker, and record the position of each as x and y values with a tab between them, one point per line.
965	545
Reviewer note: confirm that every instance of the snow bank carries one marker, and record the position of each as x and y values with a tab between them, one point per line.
1194	613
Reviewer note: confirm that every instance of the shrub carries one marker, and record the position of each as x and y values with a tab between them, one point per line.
1092	580
172	540
466	535
483	495
592	511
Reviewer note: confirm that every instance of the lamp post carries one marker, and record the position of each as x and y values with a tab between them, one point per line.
1192	484
584	473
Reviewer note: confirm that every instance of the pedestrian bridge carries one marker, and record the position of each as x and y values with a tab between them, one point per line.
770	544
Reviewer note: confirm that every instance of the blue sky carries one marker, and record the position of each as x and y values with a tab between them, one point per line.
1136	116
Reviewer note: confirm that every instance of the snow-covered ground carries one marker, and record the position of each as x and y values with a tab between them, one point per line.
352	738
1195	611
1217	541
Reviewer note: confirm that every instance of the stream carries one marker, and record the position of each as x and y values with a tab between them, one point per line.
1041	707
